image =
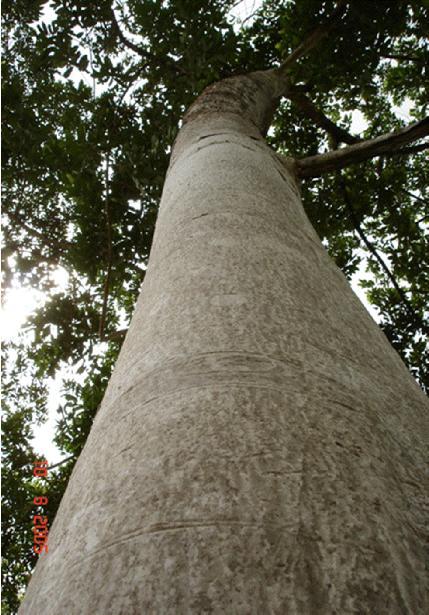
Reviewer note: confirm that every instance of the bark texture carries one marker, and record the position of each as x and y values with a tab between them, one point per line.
260	447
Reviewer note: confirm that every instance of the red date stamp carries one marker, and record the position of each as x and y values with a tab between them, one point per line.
40	522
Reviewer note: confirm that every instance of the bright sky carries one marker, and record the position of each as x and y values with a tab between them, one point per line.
21	302
244	10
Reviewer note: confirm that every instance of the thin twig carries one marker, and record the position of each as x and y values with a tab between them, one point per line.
235	4
372	249
91	63
314	38
402	56
415	196
248	17
59	463
47	240
142	52
131	84
109	254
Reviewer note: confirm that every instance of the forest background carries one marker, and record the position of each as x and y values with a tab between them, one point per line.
93	96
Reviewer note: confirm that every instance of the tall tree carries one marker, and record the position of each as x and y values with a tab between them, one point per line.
245	432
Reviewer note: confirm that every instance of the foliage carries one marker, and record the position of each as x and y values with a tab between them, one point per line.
24	402
93	97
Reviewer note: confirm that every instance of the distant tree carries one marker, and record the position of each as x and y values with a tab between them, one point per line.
84	165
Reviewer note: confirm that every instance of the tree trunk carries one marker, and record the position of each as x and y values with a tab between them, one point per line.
260	445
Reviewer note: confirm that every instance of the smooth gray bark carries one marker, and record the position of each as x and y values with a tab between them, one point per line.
260	446
389	143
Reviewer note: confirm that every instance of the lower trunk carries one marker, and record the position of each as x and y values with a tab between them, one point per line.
259	446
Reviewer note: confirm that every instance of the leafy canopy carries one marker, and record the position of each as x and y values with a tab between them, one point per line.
93	95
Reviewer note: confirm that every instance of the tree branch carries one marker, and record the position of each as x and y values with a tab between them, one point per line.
314	38
115	336
125	41
60	463
389	144
141	52
407	151
109	255
372	249
402	56
46	239
415	196
319	118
